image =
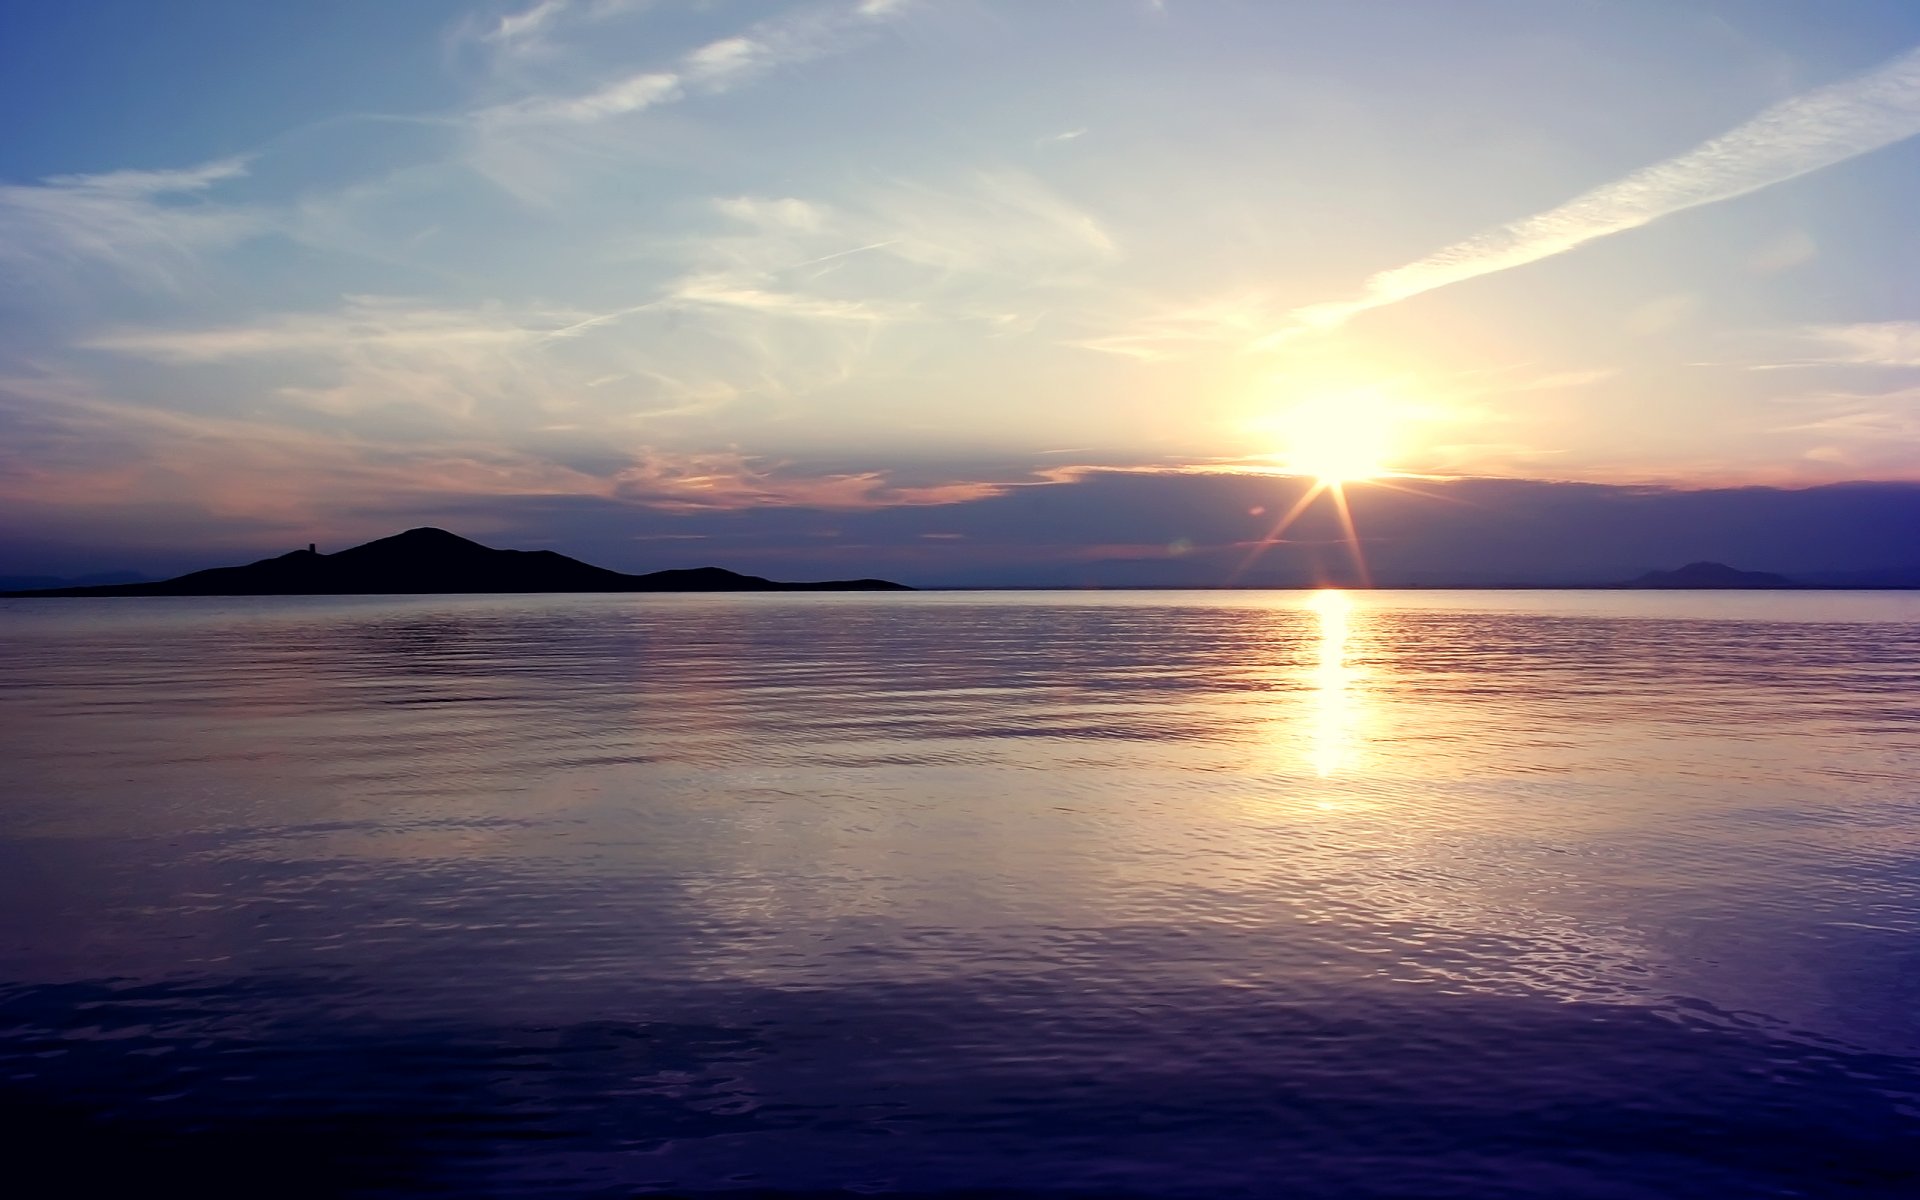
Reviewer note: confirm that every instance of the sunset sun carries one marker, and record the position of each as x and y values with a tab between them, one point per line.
1337	439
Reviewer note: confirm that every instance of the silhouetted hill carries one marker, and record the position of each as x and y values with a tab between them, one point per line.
1710	575
430	561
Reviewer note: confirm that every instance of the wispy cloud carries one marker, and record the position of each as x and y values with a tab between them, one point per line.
369	320
73	455
985	220
1855	432
413	369
138	473
517	28
419	369
530	32
634	93
890	252
1858	415
785	40
1166	332
1800	135
722	291
93	456
731	482
153	183
555	118
1868	344
148	227
778	300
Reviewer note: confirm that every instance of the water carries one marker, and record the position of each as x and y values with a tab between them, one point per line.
1156	894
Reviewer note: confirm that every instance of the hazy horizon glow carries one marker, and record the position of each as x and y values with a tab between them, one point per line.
278	276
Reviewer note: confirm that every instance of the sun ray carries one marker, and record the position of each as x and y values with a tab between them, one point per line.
1423	494
1279	527
1339	494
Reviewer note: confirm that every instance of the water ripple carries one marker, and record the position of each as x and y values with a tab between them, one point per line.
1158	894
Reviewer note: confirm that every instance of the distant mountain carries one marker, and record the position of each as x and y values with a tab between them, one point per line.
430	561
1710	575
23	583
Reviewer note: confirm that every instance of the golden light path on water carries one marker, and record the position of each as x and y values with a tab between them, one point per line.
1336	719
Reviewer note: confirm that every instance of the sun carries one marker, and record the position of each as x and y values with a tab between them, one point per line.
1337	438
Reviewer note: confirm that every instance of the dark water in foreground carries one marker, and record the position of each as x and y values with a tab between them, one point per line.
1393	895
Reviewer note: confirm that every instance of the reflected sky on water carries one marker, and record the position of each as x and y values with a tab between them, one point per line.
1154	893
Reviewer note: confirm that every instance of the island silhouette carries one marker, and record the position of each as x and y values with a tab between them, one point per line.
1708	575
432	561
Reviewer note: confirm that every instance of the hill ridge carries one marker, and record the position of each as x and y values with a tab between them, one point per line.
1710	575
428	560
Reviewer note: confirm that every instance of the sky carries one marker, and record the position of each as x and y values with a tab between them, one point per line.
964	291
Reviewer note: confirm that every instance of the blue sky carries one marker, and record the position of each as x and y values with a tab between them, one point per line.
281	273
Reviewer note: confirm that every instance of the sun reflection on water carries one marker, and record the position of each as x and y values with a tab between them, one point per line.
1336	716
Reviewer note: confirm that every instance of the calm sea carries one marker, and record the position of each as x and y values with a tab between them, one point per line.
1155	894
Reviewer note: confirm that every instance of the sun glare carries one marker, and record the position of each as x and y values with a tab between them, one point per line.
1337	439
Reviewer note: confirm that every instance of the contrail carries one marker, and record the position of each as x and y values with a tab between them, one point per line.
1800	135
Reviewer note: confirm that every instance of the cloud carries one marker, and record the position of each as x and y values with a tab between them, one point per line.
527	374
733	483
1784	252
718	65
724	292
990	221
519	27
635	93
412	370
70	458
1869	417
529	32
1857	433
153	183
148	227
885	254
543	132
75	455
1873	344
991	218
1166	332
366	320
784	213
1800	135
775	300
